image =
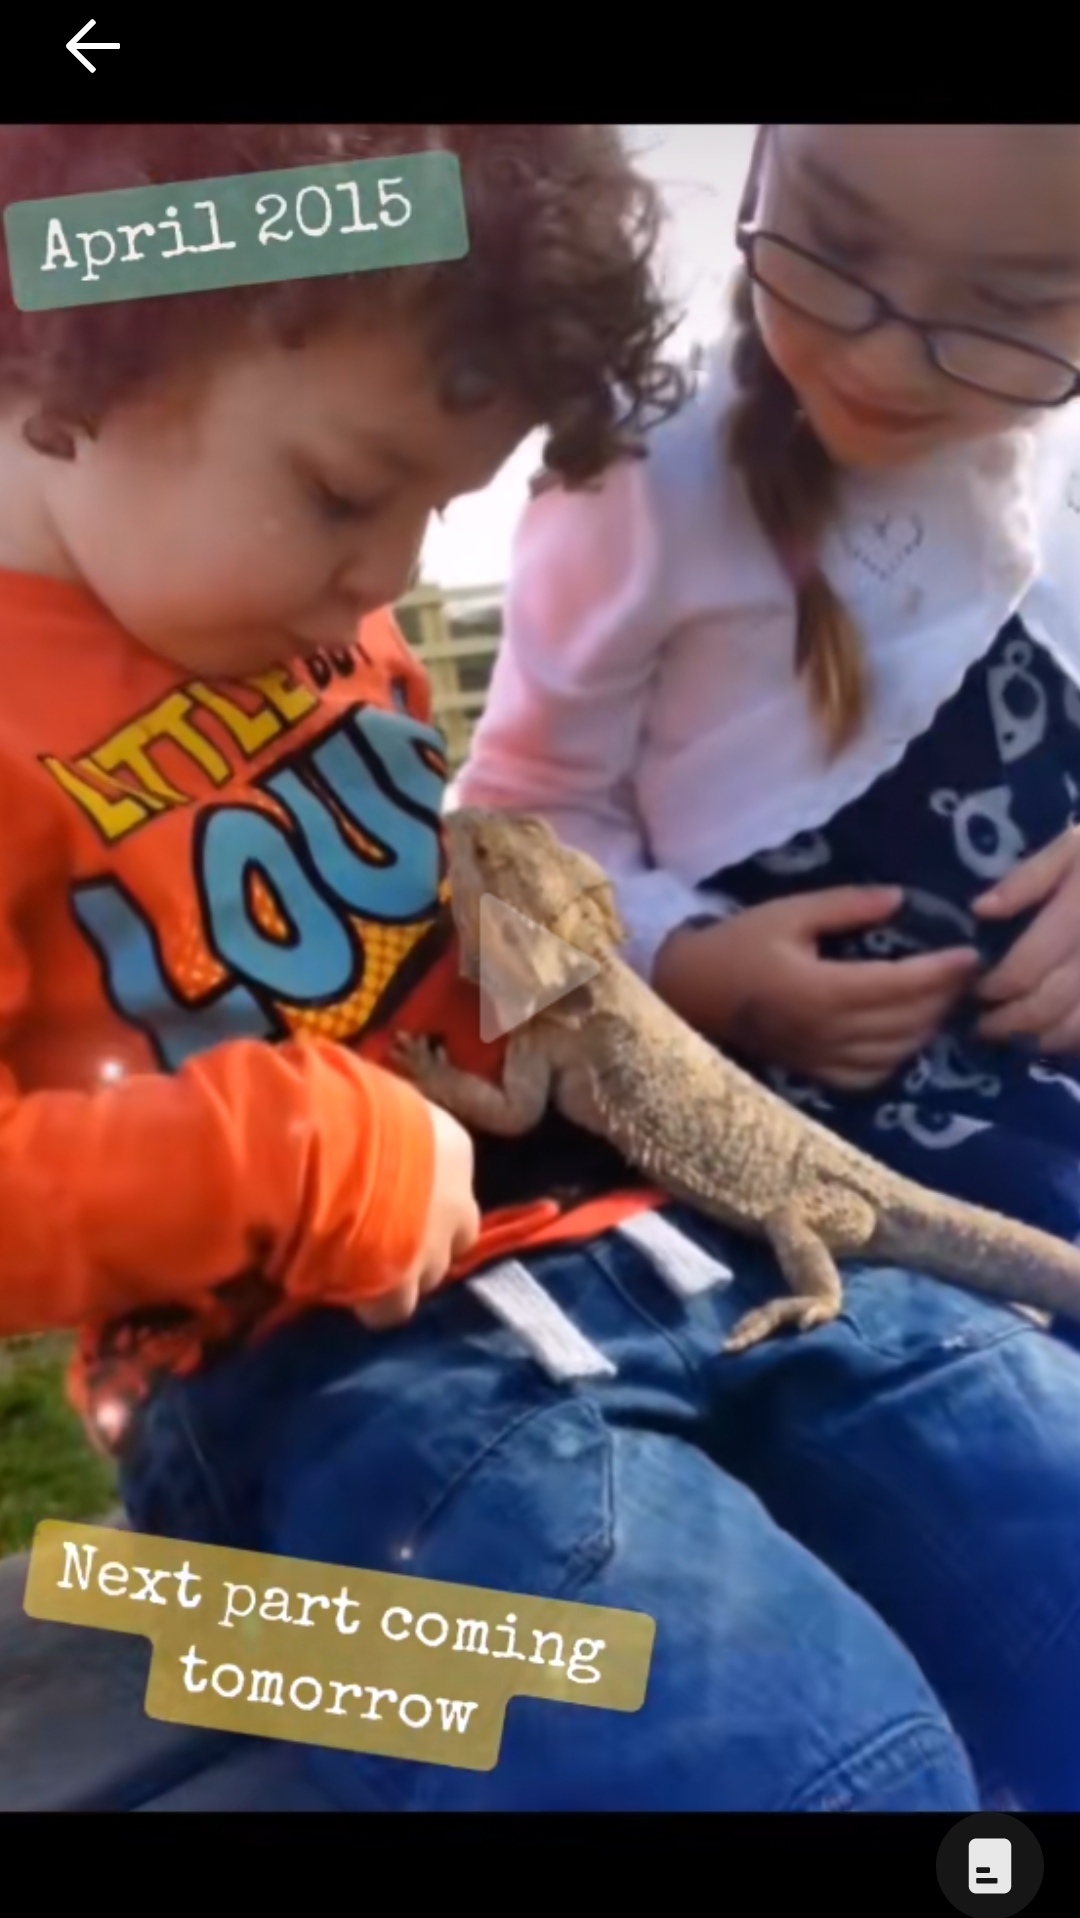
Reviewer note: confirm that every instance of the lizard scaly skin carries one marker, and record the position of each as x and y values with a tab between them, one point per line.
618	1062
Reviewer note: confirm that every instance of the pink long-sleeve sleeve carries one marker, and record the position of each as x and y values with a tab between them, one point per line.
585	623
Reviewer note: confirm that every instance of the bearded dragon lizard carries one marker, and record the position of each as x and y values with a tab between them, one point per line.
618	1062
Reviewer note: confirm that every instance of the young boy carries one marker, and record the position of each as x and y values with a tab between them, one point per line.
221	800
222	893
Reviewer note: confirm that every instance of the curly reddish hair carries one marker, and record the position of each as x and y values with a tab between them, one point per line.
555	302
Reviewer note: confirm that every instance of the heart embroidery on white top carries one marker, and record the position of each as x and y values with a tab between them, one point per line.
883	545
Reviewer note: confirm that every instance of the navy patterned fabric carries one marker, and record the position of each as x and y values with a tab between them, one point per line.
995	778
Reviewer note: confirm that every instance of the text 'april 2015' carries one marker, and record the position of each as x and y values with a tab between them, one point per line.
242	230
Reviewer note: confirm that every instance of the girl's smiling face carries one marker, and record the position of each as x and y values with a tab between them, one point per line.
259	505
975	226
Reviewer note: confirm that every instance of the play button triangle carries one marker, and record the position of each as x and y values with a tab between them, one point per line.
523	968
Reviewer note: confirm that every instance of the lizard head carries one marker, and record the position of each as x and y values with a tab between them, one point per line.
518	860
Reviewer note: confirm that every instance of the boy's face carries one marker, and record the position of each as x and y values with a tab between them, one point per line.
977	226
260	507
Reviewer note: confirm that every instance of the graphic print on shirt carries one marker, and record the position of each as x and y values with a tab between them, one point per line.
312	889
804	853
883	546
1019	703
944	1067
987	840
797	1090
938	1131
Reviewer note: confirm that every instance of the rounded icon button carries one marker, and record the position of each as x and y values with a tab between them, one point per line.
990	1863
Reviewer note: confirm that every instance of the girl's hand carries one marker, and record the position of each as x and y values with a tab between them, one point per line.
758	981
1034	992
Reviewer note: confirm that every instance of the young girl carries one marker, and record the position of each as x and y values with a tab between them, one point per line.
221	894
808	681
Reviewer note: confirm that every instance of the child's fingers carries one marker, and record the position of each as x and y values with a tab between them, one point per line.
883	1053
1029	883
874	983
398	1307
465	1237
1063	1040
897	1025
841	908
1055	999
393	1309
852	1077
858	1065
1042	948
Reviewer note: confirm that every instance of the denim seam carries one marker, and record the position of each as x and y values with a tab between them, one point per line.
509	1432
922	1736
1024	1649
598	1256
1064	1625
177	1451
582	1563
954	1342
867	1483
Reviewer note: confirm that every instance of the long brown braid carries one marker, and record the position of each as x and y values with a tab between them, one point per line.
792	485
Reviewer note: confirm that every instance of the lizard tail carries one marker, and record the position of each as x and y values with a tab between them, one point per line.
981	1251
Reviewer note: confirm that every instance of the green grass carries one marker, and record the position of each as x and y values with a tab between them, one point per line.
47	1466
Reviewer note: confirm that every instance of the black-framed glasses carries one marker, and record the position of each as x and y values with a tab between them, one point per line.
991	363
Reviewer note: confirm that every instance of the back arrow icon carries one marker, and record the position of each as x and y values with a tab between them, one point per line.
76	43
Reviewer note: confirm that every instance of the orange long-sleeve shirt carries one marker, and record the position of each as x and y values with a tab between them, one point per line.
218	900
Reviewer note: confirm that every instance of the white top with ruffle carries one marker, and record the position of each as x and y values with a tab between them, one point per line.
644	698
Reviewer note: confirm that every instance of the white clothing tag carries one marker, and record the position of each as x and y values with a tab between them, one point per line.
514	1296
684	1266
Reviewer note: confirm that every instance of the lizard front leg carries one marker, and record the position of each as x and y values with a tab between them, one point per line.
806	1237
508	1110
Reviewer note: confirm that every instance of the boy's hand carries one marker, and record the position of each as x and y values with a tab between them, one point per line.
759	981
1034	992
453	1226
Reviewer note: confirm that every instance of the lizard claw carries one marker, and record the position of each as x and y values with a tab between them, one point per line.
755	1327
414	1055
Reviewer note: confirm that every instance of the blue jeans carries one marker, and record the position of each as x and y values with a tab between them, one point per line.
860	1545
